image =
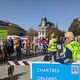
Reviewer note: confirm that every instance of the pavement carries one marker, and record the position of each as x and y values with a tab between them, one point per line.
20	72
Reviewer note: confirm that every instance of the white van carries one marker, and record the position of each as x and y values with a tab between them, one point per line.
12	36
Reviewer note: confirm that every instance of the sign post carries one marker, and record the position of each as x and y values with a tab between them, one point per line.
3	34
55	71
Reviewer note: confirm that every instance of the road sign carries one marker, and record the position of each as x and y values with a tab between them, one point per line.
3	34
55	71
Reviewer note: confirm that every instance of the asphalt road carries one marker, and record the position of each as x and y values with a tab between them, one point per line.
20	72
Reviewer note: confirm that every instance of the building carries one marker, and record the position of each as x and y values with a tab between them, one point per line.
43	27
42	31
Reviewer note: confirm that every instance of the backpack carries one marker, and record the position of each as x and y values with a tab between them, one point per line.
47	58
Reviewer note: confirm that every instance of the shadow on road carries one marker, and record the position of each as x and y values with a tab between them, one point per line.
16	77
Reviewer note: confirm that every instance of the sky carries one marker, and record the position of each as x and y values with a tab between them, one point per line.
28	13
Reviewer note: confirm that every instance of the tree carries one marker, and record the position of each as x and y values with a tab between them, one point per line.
75	27
32	32
56	31
12	28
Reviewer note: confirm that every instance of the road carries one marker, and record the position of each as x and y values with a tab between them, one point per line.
20	72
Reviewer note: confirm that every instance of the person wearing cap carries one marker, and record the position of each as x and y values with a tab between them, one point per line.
71	50
52	47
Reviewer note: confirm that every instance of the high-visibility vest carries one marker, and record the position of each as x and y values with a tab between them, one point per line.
74	46
53	47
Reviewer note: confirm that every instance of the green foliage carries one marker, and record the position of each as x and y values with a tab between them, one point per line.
32	32
12	28
56	31
75	27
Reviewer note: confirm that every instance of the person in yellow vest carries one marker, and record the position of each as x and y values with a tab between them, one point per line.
52	47
71	50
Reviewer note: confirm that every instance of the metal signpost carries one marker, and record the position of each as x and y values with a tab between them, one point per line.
3	34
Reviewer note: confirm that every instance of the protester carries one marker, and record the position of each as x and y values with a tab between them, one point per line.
11	43
18	48
5	49
28	47
47	41
52	47
40	47
72	49
1	55
9	48
35	45
45	45
59	45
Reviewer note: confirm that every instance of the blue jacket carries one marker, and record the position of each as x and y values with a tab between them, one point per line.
66	59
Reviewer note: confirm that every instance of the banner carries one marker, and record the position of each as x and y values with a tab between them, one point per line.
3	34
55	71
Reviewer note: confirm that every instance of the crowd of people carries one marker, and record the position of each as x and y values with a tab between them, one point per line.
70	51
60	49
